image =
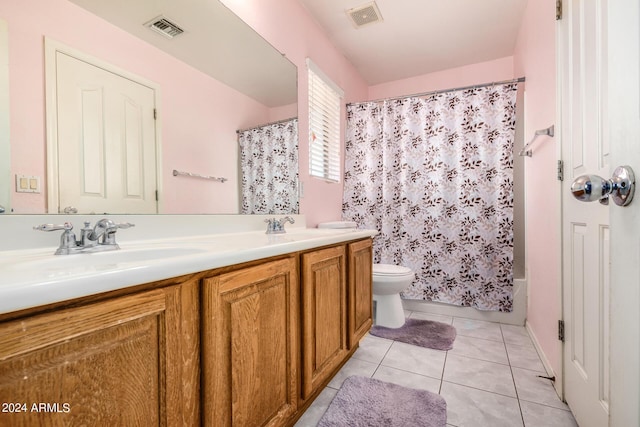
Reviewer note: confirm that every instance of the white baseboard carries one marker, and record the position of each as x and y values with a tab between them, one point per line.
557	384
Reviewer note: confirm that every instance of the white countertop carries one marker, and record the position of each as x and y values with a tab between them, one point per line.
34	277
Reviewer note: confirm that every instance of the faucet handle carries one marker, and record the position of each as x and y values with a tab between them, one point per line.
54	227
125	225
271	225
67	240
285	219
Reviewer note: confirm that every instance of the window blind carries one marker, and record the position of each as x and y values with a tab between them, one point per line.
324	125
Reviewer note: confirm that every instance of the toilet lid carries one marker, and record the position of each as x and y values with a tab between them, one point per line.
390	270
338	224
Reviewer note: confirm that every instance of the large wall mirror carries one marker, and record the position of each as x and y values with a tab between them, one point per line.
224	105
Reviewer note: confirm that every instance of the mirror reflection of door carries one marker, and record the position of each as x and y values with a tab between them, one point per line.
105	139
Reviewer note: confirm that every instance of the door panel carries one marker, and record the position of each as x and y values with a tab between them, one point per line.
91	150
585	150
115	362
106	140
250	345
134	149
360	290
624	128
324	316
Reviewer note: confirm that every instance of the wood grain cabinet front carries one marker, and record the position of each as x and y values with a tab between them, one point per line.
130	360
324	316
360	290
250	345
246	345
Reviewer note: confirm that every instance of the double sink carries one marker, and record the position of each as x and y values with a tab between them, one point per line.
35	277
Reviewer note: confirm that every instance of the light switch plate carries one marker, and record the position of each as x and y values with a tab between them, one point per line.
27	184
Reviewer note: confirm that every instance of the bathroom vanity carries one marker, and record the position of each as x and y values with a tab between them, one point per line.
245	333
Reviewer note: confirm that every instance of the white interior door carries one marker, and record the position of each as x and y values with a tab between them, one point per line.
106	142
582	53
624	125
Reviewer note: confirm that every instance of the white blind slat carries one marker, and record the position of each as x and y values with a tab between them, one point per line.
324	125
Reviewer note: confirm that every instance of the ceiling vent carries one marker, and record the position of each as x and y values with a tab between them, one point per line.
365	14
165	27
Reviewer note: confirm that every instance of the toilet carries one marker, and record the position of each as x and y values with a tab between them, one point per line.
388	281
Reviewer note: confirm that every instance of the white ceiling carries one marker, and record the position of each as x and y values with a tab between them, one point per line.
420	36
215	42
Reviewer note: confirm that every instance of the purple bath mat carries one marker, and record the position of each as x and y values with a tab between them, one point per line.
424	333
365	402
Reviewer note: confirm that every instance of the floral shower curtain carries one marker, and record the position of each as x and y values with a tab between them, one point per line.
269	163
435	176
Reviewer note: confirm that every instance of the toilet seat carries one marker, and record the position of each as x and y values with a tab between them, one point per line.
390	270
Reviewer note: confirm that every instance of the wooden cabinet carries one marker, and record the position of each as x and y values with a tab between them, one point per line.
130	360
324	316
250	345
360	289
247	345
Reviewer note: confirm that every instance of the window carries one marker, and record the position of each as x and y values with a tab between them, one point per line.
324	125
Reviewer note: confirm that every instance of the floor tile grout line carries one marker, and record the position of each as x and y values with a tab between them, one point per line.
381	360
547	406
513	378
530	370
411	372
479	338
477	358
481	389
444	365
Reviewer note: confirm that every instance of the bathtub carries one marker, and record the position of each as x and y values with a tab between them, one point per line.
516	317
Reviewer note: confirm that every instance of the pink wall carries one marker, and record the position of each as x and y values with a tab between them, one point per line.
535	58
484	72
198	117
289	27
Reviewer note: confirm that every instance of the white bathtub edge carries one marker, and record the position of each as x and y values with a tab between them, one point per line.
516	317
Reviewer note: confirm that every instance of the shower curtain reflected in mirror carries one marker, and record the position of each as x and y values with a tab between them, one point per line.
435	176
269	164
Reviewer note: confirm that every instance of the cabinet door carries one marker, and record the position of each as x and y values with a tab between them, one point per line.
117	362
360	290
324	316
250	345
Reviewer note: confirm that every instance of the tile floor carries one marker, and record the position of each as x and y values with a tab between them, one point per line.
490	377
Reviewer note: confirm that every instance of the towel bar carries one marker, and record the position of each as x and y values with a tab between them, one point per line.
197	175
526	151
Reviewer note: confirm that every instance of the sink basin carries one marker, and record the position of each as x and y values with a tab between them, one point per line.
102	260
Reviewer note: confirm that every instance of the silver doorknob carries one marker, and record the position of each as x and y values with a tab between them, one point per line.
589	188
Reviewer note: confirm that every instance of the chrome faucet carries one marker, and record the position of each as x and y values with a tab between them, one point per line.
106	229
276	226
102	237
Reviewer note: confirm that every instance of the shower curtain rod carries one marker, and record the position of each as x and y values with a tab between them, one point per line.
435	92
266	124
